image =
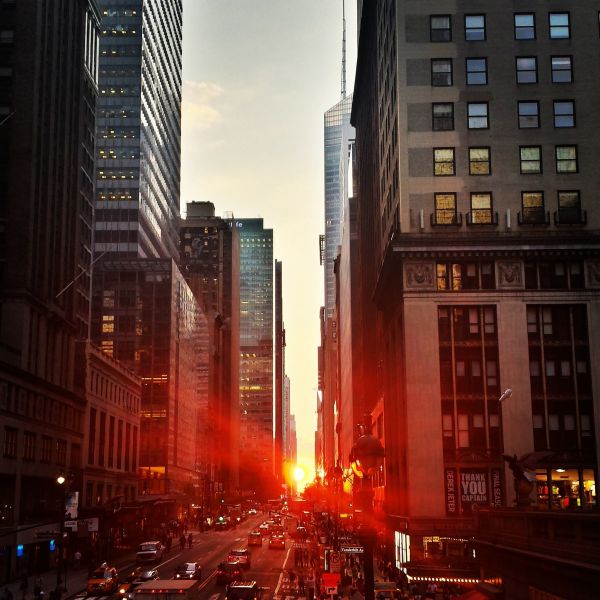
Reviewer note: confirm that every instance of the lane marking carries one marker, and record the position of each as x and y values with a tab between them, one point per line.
207	580
281	574
214	597
167	561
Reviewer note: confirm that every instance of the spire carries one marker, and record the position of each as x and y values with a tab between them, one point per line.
344	49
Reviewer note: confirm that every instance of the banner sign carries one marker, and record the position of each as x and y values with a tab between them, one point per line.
496	488
89	524
71	505
450	488
473	489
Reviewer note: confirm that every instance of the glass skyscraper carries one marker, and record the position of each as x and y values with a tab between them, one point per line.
138	125
337	131
256	350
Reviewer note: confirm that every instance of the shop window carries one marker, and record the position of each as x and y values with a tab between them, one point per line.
562	69
564	113
441	72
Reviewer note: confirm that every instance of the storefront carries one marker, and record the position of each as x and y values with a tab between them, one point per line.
565	488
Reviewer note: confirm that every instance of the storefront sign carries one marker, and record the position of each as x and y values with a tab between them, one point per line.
473	489
86	524
450	486
496	488
352	549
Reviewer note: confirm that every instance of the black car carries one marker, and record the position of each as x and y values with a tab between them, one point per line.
188	570
227	572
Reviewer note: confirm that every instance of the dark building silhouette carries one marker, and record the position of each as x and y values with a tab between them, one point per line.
210	263
48	94
279	374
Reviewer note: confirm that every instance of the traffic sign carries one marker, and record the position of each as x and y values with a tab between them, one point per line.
352	549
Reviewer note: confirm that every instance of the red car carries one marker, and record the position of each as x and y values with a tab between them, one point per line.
228	572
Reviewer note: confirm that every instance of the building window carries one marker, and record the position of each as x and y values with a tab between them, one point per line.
526	69
443	162
524	26
120	444
564	113
443	116
562	69
529	114
10	442
92	436
61	452
569	207
474	28
445	209
477	113
441	72
46	450
440	28
102	439
481	208
559	26
479	161
463	431
531	159
477	71
532	205
566	159
29	445
111	442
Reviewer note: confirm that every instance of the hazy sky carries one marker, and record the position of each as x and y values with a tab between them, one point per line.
258	76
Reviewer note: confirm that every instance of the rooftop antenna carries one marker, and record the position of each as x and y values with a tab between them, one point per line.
344	49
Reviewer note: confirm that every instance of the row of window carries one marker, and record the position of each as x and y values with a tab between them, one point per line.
532	206
480	161
476	70
475	27
46	451
478	115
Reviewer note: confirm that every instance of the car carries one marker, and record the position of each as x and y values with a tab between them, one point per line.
149	552
221	523
242	555
255	538
227	572
188	570
243	590
277	541
138	576
103	580
264	529
252	511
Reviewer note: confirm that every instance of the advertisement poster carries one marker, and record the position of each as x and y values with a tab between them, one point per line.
473	489
450	487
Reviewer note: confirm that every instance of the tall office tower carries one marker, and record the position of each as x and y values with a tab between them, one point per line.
476	175
146	317
48	91
279	449
139	128
286	417
210	263
256	353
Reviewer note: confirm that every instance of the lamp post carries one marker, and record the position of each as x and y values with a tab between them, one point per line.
63	482
367	454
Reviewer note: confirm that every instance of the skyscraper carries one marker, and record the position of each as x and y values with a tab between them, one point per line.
256	352
139	128
48	91
479	240
279	449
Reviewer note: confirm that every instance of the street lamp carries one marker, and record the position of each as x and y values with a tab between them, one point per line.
64	485
366	455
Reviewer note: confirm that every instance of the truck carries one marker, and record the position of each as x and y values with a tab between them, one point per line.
168	589
291	524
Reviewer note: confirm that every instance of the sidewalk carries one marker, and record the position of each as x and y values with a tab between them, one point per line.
76	579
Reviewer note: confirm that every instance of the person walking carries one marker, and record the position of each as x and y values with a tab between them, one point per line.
182	542
77	557
190	540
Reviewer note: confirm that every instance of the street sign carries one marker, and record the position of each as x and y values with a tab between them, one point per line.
352	549
331	590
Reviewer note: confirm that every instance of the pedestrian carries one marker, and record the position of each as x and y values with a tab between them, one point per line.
292	578
305	560
182	542
77	557
301	584
190	540
169	543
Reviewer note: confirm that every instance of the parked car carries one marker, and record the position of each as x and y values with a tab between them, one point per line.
255	538
103	580
243	590
228	572
149	552
242	555
277	541
188	570
138	576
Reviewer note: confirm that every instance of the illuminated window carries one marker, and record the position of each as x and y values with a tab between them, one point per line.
481	208
562	69
474	28
477	71
526	69
479	161
566	159
524	26
443	161
532	204
559	26
445	209
440	28
530	159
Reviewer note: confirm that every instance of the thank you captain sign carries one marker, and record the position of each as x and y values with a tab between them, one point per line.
473	489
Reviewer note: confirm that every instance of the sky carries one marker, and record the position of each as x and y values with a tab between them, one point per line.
257	77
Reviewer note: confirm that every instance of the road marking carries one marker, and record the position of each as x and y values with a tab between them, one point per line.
167	561
281	574
205	582
237	539
214	597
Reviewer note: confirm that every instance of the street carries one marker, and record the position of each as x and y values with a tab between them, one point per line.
212	547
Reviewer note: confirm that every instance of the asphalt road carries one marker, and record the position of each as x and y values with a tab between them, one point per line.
212	547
